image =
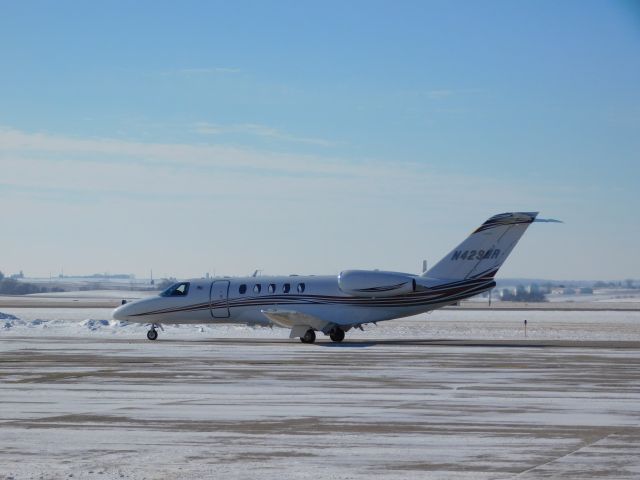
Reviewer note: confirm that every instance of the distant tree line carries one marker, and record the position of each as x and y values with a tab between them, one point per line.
628	283
11	286
120	276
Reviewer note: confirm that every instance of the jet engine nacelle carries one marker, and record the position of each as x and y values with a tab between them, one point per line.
367	283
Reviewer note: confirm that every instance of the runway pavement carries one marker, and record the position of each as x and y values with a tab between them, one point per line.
88	407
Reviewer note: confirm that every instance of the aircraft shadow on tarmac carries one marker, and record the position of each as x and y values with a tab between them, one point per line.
409	342
486	343
426	342
432	342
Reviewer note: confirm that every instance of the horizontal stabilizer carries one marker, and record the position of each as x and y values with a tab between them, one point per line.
548	220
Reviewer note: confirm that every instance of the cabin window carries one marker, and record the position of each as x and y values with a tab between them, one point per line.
243	289
286	288
176	290
272	288
256	288
300	287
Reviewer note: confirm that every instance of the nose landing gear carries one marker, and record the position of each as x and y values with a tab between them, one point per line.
152	334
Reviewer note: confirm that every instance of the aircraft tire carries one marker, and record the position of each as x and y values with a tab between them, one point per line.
337	334
152	334
308	337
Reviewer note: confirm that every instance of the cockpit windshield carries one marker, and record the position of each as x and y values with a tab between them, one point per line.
176	290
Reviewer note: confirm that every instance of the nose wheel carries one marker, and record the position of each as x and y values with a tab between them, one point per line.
152	334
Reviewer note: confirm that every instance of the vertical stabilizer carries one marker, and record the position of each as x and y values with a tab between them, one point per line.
485	250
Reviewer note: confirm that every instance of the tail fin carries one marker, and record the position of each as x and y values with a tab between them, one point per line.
485	250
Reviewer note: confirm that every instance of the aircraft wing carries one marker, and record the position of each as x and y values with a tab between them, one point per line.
298	322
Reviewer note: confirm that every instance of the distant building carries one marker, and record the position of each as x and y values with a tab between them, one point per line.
531	293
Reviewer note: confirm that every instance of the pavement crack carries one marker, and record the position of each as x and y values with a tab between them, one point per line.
568	454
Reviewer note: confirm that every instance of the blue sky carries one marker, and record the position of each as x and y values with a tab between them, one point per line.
311	137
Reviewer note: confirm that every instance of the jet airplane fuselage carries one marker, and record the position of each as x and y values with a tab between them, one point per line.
335	304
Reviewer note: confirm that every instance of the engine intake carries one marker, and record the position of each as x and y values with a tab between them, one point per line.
367	283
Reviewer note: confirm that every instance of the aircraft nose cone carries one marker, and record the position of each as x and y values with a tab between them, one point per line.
120	313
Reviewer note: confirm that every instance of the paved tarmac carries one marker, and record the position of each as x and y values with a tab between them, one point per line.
87	407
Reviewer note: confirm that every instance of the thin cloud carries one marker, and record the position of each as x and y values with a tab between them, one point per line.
206	128
174	155
204	71
439	94
43	160
19	149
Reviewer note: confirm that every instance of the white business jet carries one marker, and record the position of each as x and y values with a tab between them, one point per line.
335	304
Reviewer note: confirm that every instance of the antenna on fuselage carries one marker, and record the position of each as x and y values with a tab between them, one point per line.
424	266
255	274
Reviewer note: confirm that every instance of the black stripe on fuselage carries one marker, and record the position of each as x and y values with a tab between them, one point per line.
451	292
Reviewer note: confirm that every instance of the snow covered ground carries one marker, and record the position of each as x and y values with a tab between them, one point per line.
454	324
82	396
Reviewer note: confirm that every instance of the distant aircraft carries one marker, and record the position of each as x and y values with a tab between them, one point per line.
335	304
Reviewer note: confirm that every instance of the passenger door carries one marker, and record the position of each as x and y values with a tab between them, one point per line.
219	299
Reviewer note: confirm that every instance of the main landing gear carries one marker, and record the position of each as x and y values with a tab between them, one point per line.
308	337
152	334
336	334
